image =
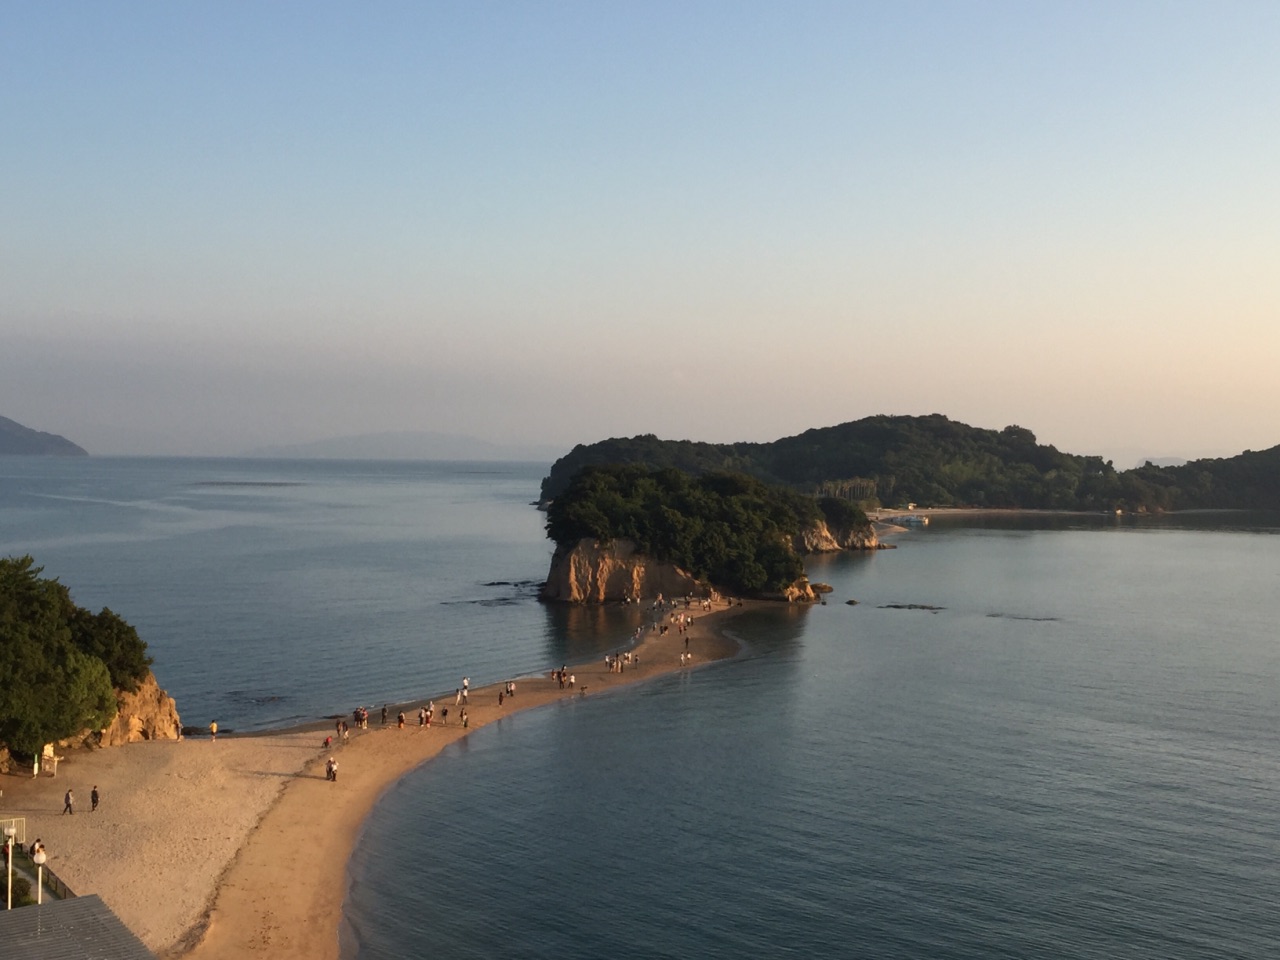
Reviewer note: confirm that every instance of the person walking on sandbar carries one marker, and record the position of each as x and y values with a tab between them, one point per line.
213	730
93	799
68	803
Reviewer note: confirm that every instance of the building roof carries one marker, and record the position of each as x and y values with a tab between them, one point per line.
81	928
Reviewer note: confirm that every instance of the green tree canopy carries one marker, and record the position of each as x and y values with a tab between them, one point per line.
58	660
935	461
109	638
728	529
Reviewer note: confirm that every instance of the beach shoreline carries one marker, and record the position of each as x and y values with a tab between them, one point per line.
211	850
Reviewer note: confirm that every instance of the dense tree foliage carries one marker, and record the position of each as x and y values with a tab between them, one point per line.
728	529
935	461
58	661
106	636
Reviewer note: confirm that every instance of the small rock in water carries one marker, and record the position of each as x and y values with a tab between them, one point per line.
851	603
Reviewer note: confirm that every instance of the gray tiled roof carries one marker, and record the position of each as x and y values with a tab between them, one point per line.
82	928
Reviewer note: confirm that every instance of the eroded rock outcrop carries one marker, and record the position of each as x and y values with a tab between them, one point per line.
146	714
820	538
592	572
801	591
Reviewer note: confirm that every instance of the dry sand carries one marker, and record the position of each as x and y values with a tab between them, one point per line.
238	847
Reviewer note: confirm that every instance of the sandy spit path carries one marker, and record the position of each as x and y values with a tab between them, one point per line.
239	847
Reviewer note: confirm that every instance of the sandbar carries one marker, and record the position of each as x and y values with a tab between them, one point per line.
216	850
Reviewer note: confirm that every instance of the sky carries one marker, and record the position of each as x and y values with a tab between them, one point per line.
229	225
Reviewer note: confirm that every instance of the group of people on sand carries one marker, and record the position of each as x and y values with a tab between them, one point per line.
427	713
69	800
618	662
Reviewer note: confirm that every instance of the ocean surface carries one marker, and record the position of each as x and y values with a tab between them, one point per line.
1075	754
273	592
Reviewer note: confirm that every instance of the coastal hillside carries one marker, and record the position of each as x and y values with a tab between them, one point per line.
1248	481
934	461
70	673
15	439
729	532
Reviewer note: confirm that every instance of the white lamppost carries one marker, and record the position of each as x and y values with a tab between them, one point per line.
38	859
9	833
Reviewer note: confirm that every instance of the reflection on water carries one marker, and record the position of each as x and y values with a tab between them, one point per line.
577	632
1077	757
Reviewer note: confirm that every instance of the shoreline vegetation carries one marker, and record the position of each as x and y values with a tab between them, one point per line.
240	846
894	460
727	532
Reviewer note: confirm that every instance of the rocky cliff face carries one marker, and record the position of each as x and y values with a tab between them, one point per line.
146	714
590	572
799	592
822	539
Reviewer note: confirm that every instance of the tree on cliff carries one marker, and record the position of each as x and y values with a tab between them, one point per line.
728	529
108	637
59	661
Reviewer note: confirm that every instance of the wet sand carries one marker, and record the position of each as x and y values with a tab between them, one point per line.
239	847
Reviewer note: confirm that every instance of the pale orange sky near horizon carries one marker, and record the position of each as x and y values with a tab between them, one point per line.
233	227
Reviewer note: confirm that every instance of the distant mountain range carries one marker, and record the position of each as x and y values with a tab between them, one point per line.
934	461
408	445
15	439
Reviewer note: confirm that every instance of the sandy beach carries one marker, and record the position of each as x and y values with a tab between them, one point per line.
226	849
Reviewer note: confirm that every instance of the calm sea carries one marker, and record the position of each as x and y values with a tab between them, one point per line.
272	592
1074	755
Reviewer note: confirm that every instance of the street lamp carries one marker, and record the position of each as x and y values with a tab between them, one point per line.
9	833
38	859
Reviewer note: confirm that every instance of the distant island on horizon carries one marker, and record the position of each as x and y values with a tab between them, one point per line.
17	440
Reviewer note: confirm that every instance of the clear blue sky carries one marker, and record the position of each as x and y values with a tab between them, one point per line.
227	224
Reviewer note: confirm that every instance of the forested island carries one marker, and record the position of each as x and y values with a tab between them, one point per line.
933	461
729	532
15	439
